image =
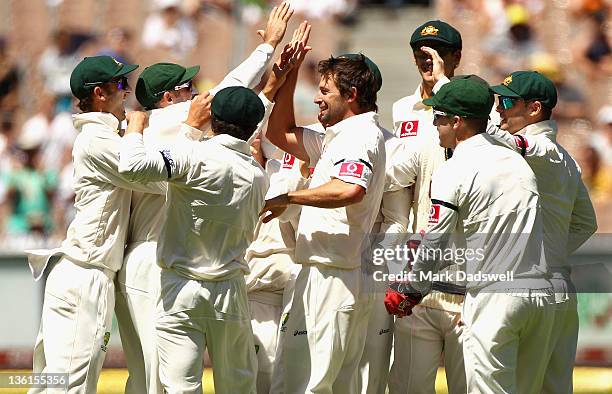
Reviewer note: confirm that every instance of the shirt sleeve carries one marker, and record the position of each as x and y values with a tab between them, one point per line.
313	144
139	165
249	72
443	219
402	164
528	146
583	222
103	156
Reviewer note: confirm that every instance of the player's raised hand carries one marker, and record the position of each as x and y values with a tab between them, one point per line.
137	121
437	71
301	35
199	110
277	24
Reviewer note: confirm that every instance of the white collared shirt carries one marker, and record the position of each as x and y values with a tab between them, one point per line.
353	151
567	212
487	195
216	190
97	234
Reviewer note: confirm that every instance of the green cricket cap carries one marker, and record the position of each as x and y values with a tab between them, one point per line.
466	96
528	85
239	106
438	31
96	70
371	65
159	78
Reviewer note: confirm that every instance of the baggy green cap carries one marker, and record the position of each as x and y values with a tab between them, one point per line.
159	78
371	65
96	70
437	31
465	96
528	85
239	106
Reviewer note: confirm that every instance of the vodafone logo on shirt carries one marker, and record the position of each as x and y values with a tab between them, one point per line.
288	160
434	214
351	169
409	128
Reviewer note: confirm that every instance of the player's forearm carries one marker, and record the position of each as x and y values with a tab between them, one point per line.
282	130
334	194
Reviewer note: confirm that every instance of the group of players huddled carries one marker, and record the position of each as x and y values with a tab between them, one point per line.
214	222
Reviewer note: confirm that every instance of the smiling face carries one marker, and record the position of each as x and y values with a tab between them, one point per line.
111	97
444	123
423	61
333	107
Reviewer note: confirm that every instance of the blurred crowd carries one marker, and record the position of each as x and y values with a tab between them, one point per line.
569	41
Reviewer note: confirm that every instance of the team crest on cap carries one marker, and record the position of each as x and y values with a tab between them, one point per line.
508	80
429	31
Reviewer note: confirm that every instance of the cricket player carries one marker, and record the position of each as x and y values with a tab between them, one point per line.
488	196
433	328
337	216
526	100
167	89
215	190
79	291
270	258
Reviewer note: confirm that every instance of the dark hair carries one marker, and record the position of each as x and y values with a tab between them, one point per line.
86	104
348	73
222	127
546	113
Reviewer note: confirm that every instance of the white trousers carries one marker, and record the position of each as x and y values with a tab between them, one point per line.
325	332
265	320
564	339
506	341
195	315
75	325
135	308
374	363
420	341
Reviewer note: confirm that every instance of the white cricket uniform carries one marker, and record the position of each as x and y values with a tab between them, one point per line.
488	196
432	329
327	316
569	220
138	280
79	291
215	192
389	229
270	259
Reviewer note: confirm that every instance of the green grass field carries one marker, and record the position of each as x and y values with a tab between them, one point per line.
586	381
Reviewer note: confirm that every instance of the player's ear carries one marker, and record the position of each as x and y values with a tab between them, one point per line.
98	93
167	97
352	96
457	57
535	108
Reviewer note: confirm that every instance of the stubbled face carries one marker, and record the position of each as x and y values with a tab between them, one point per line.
332	105
424	62
116	93
515	118
444	124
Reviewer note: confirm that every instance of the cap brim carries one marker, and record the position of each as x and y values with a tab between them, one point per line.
503	90
126	69
190	73
430	101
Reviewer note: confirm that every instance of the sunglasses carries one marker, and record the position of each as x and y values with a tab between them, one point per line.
122	83
506	102
437	114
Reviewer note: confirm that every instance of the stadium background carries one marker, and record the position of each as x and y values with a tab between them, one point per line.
40	41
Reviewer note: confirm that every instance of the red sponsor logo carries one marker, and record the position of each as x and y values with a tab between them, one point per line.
434	214
288	160
351	169
521	142
409	128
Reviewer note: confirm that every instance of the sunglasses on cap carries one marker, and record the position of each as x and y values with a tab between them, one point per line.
122	83
440	114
